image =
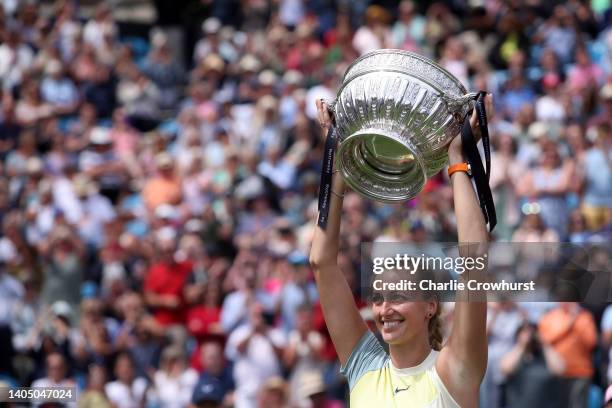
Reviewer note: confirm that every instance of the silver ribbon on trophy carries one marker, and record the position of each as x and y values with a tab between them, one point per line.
394	117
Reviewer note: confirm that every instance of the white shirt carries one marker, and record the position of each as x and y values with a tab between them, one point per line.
365	40
281	174
13	62
549	109
174	392
256	365
11	291
49	383
124	396
94	32
66	200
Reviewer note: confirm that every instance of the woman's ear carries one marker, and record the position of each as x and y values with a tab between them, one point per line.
432	308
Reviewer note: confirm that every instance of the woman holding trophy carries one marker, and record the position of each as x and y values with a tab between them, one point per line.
418	371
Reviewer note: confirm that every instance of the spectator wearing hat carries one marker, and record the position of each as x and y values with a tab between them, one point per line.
266	124
209	43
165	187
211	69
273	394
312	392
92	210
375	34
59	90
102	165
539	136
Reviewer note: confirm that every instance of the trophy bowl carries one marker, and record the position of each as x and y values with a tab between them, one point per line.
396	113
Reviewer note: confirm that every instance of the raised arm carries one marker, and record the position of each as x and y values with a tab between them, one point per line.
463	361
343	320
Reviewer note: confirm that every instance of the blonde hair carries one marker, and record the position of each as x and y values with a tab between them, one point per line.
436	337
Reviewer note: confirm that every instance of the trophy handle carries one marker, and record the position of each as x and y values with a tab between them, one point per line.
456	104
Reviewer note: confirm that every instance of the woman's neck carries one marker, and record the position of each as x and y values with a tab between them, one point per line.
410	354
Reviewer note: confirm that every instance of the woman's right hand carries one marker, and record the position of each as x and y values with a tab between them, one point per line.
323	115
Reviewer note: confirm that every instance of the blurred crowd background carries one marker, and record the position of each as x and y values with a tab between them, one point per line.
159	182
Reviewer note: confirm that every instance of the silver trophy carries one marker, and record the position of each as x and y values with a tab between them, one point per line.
395	115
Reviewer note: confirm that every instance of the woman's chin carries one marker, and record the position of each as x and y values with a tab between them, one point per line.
392	336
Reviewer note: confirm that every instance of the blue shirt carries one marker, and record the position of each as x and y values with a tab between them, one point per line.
598	176
59	92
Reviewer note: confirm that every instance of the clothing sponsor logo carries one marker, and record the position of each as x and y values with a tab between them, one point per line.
398	389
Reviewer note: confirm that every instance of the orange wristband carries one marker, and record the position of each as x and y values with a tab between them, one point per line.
464	167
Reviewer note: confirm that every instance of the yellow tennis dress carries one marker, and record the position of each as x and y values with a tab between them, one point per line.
375	382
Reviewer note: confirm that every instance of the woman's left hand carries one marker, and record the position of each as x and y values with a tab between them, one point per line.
455	149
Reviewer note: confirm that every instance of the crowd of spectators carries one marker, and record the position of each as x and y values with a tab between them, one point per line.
156	211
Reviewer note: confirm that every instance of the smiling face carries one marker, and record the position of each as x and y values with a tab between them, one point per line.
400	321
402	317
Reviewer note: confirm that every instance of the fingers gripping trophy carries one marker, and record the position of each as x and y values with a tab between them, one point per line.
397	120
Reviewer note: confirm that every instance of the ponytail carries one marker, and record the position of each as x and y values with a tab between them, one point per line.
435	330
